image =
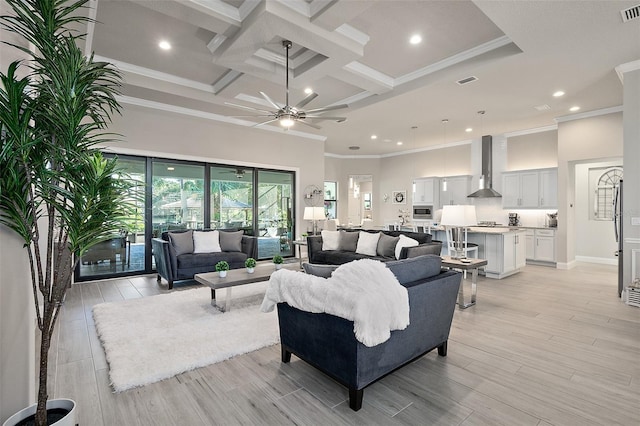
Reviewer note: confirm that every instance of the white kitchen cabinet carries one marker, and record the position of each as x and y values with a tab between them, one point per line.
426	191
548	189
530	189
541	245
458	187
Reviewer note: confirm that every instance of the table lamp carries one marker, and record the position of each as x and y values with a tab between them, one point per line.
458	217
314	214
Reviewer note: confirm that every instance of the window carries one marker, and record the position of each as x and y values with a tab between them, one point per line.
604	192
331	200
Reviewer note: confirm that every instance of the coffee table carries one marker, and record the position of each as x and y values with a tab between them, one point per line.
467	264
236	277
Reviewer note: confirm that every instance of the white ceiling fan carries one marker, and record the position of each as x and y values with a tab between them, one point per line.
288	115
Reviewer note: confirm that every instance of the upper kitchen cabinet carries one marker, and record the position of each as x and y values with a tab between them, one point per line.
458	187
426	191
530	189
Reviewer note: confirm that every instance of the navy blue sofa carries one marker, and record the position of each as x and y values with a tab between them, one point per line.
328	342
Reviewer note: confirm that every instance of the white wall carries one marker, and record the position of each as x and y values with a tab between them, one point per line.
17	327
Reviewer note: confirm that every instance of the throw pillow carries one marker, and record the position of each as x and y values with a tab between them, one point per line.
323	271
404	242
231	241
348	241
387	245
330	240
368	243
182	242
206	242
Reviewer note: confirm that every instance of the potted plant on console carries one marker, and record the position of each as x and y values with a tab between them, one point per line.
250	264
278	261
57	191
221	268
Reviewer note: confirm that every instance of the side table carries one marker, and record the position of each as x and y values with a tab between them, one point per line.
299	244
467	264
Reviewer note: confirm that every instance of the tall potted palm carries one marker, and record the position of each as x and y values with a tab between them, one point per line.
56	189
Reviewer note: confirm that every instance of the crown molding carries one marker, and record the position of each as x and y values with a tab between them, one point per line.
397	154
531	131
588	114
625	68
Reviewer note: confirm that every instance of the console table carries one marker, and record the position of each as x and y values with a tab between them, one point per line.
466	264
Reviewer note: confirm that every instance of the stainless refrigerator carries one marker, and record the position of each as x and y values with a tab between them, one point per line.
617	224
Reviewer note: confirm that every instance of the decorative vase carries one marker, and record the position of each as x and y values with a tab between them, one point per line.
250	270
278	265
54	406
222	274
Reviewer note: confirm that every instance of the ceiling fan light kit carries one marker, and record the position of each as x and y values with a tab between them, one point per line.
288	115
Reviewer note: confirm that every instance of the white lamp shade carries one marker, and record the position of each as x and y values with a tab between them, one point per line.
314	213
464	215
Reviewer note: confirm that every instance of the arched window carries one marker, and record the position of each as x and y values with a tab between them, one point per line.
603	203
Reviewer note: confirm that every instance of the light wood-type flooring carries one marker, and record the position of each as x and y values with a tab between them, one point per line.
542	347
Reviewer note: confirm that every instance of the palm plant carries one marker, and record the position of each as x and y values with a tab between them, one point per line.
56	189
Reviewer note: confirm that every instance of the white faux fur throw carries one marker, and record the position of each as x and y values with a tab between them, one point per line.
363	291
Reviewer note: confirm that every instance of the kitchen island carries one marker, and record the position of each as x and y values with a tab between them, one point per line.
504	248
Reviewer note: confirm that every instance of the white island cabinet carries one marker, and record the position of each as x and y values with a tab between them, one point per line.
503	248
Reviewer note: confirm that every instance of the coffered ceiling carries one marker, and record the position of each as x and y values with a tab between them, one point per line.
358	53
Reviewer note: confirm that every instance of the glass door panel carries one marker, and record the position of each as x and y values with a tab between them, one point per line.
275	213
177	191
232	198
125	253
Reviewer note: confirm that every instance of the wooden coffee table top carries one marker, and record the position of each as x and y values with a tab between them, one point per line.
236	277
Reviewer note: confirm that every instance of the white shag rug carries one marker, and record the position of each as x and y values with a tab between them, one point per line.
154	338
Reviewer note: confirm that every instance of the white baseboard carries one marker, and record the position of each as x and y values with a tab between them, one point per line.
601	260
566	265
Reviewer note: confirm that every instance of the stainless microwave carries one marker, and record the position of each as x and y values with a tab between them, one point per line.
422	212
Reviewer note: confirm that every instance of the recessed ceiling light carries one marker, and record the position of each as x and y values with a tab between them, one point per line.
171	168
399	143
574	108
164	45
558	94
468	129
308	90
415	39
374	137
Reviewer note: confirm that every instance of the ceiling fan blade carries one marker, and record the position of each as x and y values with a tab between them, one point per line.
250	116
264	95
247	107
264	122
306	100
320	117
329	108
308	124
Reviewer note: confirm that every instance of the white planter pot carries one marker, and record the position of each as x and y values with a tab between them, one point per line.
278	265
64	404
250	270
222	274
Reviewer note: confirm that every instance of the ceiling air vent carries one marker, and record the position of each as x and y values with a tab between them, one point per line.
630	13
467	80
544	107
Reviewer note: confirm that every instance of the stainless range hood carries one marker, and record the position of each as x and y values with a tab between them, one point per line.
487	171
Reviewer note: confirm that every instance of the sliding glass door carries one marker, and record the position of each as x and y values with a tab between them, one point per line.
232	198
275	213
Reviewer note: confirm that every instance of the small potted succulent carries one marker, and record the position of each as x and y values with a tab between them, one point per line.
221	268
278	261
250	264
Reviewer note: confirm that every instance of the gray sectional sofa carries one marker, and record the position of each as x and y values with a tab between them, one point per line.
176	260
328	342
385	251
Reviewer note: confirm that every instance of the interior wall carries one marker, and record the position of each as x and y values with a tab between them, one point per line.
166	134
532	151
584	140
17	327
